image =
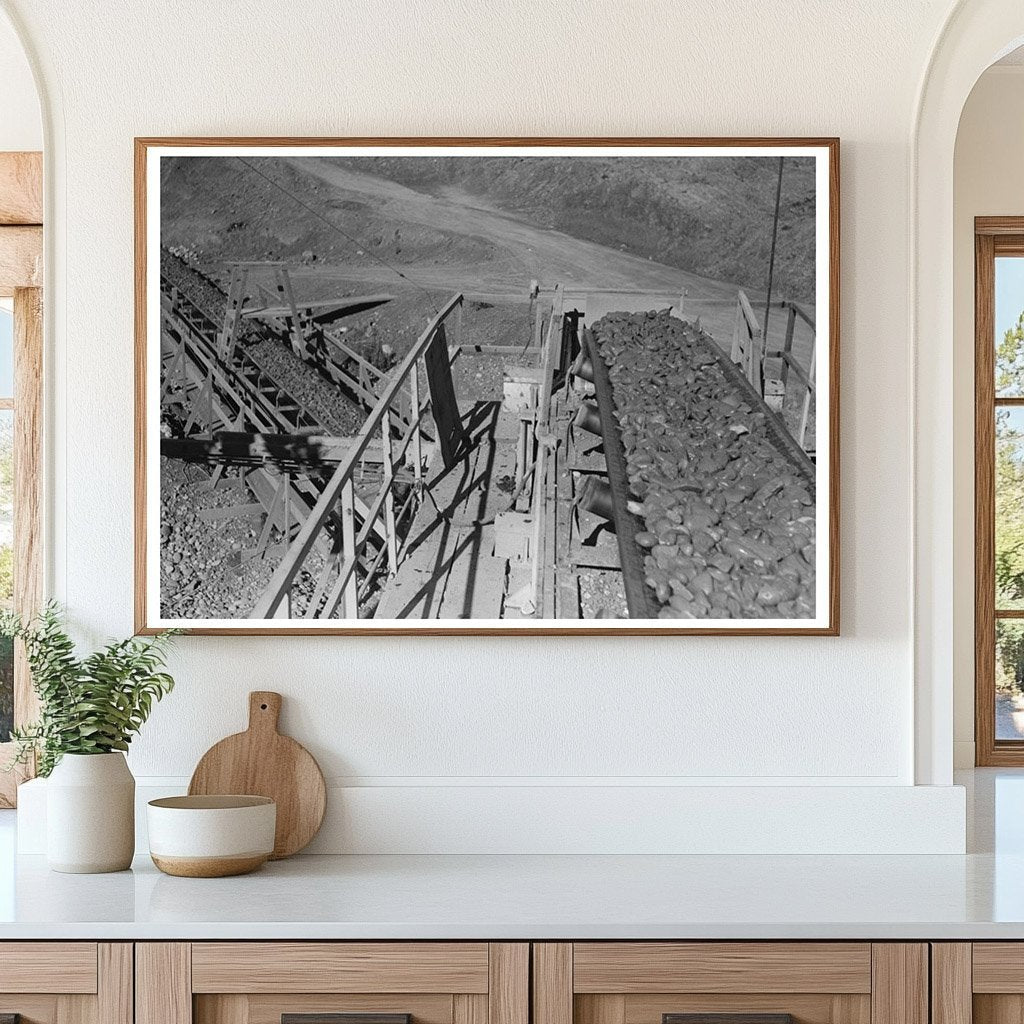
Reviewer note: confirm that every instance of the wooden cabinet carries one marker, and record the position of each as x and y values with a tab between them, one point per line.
978	983
494	983
261	982
66	982
651	982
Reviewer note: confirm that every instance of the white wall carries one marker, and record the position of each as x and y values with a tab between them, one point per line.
428	715
987	181
21	126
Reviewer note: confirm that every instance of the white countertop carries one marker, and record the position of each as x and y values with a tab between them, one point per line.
496	897
977	896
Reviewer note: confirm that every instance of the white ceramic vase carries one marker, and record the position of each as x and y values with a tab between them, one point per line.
90	814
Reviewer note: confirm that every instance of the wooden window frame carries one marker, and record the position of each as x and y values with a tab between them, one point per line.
21	279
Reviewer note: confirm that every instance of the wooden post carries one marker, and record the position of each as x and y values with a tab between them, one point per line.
389	495
736	355
414	419
284	287
808	391
350	600
233	313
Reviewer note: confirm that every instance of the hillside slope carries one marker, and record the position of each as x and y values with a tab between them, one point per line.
711	216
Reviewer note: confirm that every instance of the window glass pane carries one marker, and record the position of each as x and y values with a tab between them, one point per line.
1009	679
6	567
1009	323
6	353
1009	531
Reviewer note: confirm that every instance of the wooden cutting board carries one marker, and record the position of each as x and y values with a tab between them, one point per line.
262	762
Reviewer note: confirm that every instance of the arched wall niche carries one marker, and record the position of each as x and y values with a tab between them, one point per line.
976	34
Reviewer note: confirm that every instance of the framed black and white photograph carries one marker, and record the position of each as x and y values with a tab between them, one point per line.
487	385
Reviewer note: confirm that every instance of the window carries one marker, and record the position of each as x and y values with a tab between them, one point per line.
21	364
999	490
6	514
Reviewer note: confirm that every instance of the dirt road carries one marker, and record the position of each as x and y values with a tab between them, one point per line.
523	252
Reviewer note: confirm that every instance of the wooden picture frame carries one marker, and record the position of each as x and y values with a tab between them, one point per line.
338	513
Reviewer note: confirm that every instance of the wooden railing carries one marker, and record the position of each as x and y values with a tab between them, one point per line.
338	585
768	370
748	343
552	355
777	384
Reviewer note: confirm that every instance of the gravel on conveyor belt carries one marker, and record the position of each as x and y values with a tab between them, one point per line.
334	411
729	519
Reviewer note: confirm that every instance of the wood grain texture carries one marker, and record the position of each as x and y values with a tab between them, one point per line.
268	1009
467	1009
262	762
758	967
304	967
899	993
65	967
28	482
998	967
552	983
208	867
984	502
115	995
951	983
727	1018
76	1009
225	1009
998	1009
599	1009
163	983
508	993
21	258
999	226
346	1018
144	144
21	188
32	1009
805	1008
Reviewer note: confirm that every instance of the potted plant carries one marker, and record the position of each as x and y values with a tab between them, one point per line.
90	708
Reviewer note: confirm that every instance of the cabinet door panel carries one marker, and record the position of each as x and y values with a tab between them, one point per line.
219	967
259	982
634	967
66	982
66	967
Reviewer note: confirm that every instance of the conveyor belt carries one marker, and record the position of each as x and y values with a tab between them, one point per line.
640	600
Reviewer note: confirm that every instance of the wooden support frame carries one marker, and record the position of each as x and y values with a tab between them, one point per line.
21	277
993	237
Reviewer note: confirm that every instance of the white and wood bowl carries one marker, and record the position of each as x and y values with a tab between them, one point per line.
211	836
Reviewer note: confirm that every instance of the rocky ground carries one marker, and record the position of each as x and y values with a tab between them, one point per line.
203	569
